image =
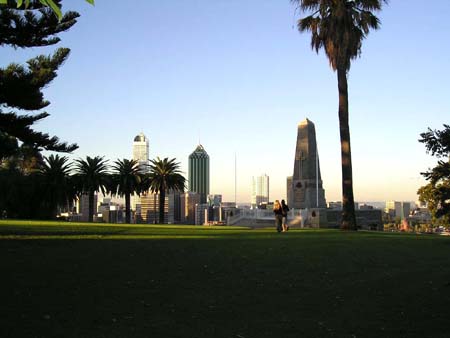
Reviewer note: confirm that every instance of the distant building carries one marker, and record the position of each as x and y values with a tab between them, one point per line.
365	207
150	208
260	190
214	200
188	200
201	213
396	209
199	172
216	214
141	150
335	205
83	207
365	219
420	215
112	213
140	154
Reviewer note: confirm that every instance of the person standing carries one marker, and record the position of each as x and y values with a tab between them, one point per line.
284	212
278	211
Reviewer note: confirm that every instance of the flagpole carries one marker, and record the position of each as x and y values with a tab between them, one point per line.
235	180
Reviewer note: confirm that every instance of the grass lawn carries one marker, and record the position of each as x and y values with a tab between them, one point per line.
78	280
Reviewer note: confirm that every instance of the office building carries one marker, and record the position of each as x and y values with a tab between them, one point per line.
260	191
83	207
214	200
396	209
150	208
141	150
201	213
199	173
188	200
140	154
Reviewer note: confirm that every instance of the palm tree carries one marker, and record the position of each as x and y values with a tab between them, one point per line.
91	176
126	180
339	26
57	188
165	175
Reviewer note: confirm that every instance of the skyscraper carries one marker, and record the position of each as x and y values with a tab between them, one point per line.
199	172
140	154
140	150
260	190
304	187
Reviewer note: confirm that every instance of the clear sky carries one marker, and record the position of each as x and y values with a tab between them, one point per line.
237	76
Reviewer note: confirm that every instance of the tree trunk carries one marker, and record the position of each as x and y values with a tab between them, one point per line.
91	207
127	208
162	197
348	204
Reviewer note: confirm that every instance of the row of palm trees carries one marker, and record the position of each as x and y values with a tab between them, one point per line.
65	181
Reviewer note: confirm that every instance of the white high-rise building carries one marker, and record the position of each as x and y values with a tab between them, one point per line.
140	154
260	190
140	150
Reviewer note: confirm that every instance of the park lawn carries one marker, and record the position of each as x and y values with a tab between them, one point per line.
81	280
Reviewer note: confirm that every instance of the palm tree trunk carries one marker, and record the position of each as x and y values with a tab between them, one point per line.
55	211
162	197
91	207
127	208
348	204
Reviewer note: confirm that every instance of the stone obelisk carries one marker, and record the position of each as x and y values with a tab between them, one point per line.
304	187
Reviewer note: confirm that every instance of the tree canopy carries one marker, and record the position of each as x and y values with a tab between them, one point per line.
126	179
21	86
165	175
53	4
437	192
91	175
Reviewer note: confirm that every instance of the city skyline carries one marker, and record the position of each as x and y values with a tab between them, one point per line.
239	77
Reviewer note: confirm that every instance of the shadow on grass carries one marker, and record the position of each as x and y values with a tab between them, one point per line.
202	282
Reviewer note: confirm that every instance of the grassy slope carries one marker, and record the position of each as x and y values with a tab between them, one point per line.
196	282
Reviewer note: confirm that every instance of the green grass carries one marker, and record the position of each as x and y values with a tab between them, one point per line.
78	280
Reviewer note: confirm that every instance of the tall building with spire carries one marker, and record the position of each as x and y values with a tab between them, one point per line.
304	187
199	172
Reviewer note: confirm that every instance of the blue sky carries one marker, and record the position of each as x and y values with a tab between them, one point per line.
239	77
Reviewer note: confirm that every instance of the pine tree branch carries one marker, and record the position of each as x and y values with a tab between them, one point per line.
22	88
17	126
32	27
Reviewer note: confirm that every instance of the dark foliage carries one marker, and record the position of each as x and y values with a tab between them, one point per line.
126	179
437	142
165	175
34	26
20	86
91	175
437	192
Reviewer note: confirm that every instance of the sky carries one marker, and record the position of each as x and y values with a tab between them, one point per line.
238	77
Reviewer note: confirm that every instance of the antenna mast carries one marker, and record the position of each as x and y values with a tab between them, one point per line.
235	179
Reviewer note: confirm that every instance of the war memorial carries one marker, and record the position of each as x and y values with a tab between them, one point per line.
305	193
